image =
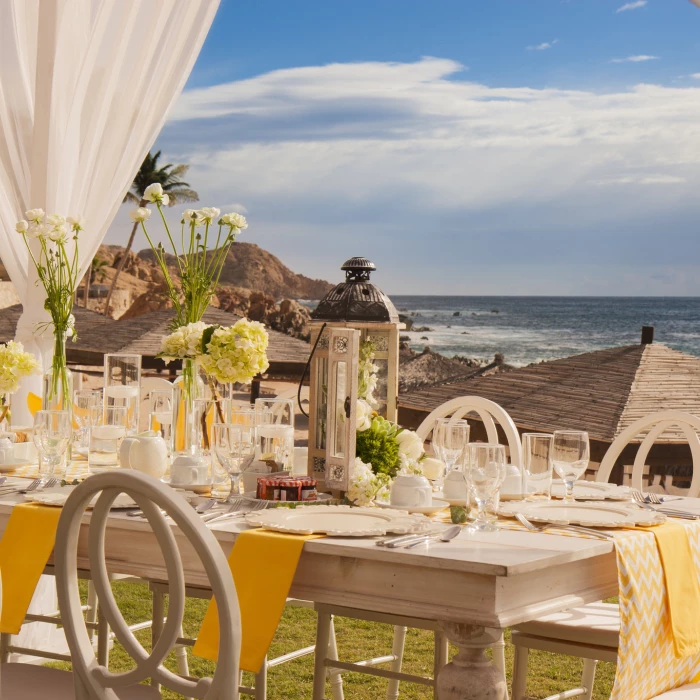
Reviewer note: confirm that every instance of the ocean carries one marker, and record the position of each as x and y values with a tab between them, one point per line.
533	329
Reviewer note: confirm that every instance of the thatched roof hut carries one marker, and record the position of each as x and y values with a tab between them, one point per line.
602	392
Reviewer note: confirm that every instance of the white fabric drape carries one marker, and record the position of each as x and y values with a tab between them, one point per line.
85	86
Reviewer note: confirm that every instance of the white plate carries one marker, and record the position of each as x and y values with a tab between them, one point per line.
592	491
196	488
436	506
59	496
9	466
587	514
339	521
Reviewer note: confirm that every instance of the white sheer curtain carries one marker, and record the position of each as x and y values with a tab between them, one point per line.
85	86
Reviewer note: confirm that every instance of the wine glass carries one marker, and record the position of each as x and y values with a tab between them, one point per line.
161	414
52	433
87	407
570	454
450	440
234	447
487	471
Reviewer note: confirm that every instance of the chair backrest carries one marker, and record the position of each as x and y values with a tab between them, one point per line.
489	413
656	424
95	681
149	384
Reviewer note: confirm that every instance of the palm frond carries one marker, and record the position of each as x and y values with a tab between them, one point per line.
184	195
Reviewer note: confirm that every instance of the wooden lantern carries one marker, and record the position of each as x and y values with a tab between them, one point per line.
352	312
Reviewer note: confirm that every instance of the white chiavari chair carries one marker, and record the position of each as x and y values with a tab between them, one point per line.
592	631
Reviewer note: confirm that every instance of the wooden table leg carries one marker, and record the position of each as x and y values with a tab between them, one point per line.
471	675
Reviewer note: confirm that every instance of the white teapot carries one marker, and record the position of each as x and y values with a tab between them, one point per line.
146	453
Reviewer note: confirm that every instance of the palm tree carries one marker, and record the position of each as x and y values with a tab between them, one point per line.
169	176
95	271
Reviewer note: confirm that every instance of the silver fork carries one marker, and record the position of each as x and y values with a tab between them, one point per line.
16	488
641	501
241	506
50	483
574	528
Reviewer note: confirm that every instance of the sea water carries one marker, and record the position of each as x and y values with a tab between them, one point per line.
532	329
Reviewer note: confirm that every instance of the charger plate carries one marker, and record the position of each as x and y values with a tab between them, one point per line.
59	495
586	514
339	521
435	507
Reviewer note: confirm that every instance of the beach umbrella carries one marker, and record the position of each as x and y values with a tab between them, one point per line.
85	86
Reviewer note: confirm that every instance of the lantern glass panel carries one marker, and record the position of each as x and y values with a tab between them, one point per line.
380	391
341	392
321	403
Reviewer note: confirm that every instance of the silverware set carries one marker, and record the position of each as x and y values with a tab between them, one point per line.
648	500
573	528
36	485
237	508
414	540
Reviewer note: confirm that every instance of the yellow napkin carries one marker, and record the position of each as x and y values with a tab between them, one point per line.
682	587
33	403
25	548
263	564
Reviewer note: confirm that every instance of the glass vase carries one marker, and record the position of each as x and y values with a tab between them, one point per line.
57	394
5	418
187	388
123	386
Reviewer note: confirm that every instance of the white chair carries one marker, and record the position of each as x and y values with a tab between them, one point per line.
149	384
591	632
491	414
91	680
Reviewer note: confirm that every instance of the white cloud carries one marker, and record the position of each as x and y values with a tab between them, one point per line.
631	6
543	46
635	59
412	162
695	75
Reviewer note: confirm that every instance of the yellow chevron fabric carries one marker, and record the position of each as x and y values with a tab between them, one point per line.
647	663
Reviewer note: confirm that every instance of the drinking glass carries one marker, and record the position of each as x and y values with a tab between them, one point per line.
450	440
245	416
160	418
486	471
275	432
537	466
52	434
234	447
570	454
122	386
106	439
87	407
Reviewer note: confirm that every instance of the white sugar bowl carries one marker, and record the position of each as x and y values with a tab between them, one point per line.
411	491
146	453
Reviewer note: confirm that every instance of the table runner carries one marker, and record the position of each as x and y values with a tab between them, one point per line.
263	564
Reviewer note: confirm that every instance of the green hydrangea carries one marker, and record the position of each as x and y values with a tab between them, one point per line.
377	446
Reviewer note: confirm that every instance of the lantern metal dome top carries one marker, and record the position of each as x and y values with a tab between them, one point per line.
356	299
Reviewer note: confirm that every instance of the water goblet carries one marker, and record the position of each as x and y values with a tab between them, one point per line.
234	447
450	440
87	407
570	454
52	434
537	466
486	472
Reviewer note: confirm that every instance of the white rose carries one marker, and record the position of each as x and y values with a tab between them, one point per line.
58	234
432	468
77	223
22	226
410	445
154	192
35	215
140	215
206	215
189	215
55	220
363	416
235	221
38	230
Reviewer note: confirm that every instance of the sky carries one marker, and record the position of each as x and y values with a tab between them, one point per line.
466	147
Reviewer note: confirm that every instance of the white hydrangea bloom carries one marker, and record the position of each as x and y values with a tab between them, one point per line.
15	364
185	342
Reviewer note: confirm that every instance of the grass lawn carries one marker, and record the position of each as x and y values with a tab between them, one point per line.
548	673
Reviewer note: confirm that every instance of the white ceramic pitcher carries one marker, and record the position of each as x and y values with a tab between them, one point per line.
145	453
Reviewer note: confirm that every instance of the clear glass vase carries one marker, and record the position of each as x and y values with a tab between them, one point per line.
5	418
188	387
57	394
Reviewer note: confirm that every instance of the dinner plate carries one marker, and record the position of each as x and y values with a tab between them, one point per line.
339	521
435	507
59	496
593	491
586	514
195	488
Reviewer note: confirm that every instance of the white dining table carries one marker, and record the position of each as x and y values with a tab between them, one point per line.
474	586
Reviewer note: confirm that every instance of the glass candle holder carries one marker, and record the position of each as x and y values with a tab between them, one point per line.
275	432
87	411
122	387
106	439
160	417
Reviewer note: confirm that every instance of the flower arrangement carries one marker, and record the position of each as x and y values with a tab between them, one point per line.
199	267
233	354
15	364
59	272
